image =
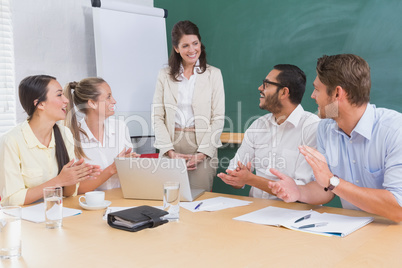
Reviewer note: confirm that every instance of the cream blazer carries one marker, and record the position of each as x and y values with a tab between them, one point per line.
208	106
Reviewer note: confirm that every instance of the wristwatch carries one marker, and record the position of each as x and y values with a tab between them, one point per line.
333	182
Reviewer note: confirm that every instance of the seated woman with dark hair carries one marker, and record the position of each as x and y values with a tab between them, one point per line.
39	152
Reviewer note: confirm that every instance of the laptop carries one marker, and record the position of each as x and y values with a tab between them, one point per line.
143	178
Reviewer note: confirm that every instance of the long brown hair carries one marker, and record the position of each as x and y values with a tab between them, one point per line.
79	93
32	91
181	28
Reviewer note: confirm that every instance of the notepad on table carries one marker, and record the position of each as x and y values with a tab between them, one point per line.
36	213
214	204
327	223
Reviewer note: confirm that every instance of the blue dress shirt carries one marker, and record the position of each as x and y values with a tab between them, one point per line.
371	157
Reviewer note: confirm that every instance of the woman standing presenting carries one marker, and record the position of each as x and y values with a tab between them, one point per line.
189	106
39	152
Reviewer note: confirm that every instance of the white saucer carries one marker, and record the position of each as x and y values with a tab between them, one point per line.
105	204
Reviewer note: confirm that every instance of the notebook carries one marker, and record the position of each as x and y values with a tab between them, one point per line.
143	178
36	213
307	221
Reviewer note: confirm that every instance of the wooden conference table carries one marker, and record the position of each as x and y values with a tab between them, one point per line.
205	239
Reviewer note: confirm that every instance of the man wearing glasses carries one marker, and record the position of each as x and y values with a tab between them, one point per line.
359	156
272	140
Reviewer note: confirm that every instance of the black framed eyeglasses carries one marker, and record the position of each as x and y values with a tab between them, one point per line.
266	81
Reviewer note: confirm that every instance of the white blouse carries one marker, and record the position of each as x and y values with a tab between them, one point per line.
185	114
115	138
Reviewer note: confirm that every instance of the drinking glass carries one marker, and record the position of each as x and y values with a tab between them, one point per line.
171	200
53	199
10	232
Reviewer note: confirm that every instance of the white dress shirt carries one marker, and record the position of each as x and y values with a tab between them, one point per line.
185	114
269	145
115	138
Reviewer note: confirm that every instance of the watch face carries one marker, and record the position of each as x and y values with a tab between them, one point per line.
334	181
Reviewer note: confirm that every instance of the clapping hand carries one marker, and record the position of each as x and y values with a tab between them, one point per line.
318	164
128	153
286	188
238	177
74	172
111	169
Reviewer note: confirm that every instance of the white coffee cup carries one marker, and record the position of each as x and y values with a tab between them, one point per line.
94	198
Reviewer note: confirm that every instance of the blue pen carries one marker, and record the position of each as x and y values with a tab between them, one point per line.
313	225
303	218
198	206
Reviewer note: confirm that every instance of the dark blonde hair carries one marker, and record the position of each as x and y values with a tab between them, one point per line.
349	71
79	93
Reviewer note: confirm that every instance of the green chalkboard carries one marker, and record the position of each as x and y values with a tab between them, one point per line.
246	38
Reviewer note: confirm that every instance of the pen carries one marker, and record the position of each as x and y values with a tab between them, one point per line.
313	225
198	206
303	218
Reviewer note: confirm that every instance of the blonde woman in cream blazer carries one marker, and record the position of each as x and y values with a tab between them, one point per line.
196	136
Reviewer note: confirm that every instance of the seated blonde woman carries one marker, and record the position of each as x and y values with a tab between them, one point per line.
99	137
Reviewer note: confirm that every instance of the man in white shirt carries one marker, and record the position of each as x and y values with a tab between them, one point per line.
273	139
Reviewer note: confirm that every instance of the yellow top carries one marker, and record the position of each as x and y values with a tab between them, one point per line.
26	163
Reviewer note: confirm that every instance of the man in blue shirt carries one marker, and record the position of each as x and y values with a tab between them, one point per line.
359	156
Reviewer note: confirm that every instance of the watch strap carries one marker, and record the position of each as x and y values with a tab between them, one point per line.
330	186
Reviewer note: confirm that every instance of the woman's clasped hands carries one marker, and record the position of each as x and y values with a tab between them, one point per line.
192	160
76	171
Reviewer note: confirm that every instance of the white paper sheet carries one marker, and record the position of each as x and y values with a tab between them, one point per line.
274	216
214	204
333	224
36	213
